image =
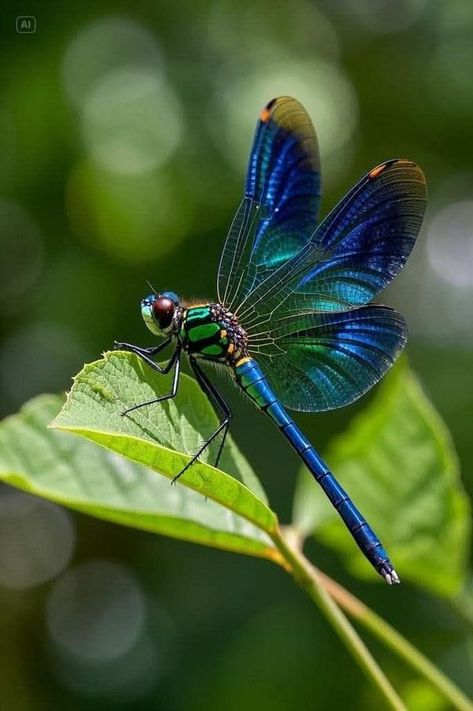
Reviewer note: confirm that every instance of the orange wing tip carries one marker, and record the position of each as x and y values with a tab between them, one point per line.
381	168
377	171
265	115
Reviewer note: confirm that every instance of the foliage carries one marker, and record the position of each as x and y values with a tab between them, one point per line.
396	458
125	135
98	482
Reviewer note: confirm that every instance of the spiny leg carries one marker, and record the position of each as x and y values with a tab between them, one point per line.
217	400
173	361
147	353
162	398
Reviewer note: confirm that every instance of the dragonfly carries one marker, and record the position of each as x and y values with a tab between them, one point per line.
294	320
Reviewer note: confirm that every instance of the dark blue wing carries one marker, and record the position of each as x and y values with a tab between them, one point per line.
367	238
280	209
353	254
328	360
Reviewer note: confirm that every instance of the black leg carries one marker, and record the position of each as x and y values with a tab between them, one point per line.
217	400
147	353
173	361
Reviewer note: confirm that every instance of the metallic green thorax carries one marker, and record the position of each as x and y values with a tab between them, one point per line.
213	333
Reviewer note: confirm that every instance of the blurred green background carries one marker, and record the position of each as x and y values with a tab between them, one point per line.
125	130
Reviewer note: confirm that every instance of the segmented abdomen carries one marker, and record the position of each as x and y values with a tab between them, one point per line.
253	381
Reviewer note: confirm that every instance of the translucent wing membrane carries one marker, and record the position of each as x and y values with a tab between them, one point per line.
353	254
367	238
328	360
300	291
280	209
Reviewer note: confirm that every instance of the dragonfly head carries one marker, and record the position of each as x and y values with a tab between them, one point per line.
159	311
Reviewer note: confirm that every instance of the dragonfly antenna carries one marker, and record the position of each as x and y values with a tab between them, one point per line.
152	287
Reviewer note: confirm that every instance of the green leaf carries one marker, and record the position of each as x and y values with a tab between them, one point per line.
72	471
162	436
398	463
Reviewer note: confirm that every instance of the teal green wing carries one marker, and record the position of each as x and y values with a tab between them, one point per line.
280	208
325	361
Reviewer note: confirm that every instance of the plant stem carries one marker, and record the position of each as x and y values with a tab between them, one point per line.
395	641
310	580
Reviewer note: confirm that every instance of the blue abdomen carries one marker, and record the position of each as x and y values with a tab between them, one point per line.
253	381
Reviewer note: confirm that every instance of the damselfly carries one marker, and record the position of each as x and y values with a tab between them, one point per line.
293	320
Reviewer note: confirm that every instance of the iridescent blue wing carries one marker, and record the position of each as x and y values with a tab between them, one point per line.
280	208
353	254
327	360
367	238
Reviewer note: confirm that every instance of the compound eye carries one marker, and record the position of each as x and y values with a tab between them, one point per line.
163	311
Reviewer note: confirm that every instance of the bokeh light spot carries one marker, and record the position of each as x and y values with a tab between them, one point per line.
96	611
36	540
322	88
103	46
450	243
235	29
132	121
